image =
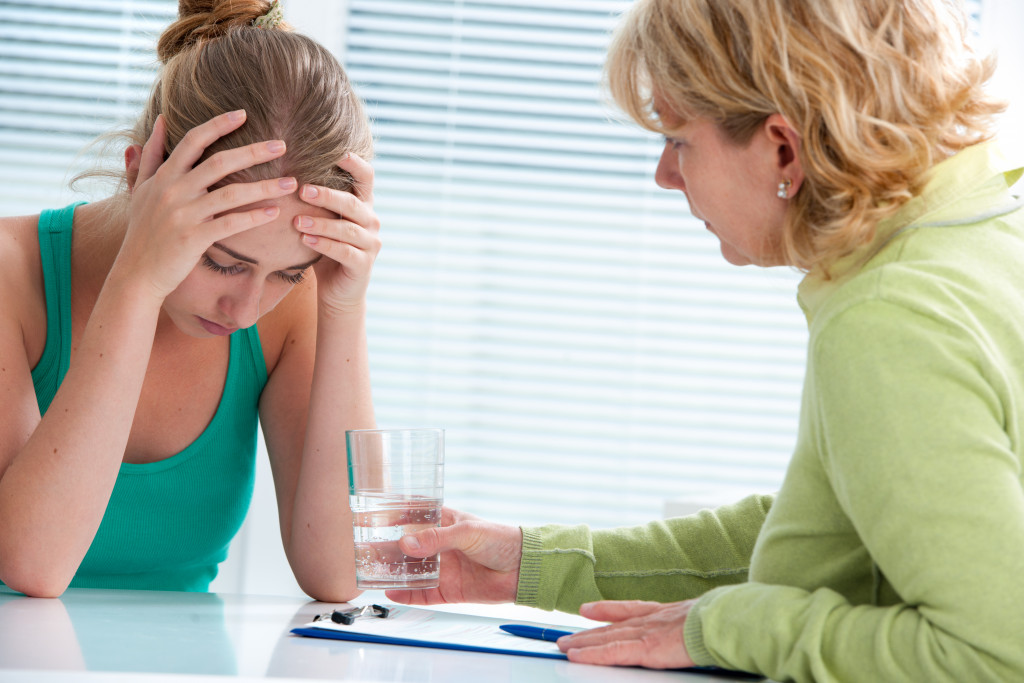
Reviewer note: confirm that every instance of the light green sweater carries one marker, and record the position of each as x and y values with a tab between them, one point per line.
894	550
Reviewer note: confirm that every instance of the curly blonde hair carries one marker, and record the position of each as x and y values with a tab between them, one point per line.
878	90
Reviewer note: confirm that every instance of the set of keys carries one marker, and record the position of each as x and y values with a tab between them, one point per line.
348	616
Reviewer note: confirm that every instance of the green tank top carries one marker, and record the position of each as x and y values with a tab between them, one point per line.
169	523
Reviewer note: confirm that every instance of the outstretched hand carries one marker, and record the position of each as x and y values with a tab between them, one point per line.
648	634
479	561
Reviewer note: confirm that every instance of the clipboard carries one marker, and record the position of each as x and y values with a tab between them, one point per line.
415	627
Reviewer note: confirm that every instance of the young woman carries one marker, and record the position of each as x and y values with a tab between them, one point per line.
142	335
850	140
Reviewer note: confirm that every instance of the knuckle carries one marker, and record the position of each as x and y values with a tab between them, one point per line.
229	193
176	216
190	137
217	162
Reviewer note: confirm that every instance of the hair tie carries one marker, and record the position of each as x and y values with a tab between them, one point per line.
272	19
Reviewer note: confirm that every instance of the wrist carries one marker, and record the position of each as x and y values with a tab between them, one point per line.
135	292
126	287
348	313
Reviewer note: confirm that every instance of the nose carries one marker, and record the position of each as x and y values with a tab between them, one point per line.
667	174
242	306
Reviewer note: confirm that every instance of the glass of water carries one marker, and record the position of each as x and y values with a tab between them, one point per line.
396	486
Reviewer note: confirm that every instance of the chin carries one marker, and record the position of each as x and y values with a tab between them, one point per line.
735	258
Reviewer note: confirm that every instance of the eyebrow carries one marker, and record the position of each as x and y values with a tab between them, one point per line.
248	259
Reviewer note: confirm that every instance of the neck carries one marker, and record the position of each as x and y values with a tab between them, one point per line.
99	230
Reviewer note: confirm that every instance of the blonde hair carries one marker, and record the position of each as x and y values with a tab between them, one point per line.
215	60
878	90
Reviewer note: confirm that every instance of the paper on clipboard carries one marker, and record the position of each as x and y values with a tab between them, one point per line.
445	630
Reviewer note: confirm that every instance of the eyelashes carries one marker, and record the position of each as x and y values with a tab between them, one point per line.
218	268
292	279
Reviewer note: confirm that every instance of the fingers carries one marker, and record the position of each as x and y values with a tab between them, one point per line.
195	142
353	240
236	222
646	634
222	164
345	204
362	173
427	542
230	197
429	545
618	610
342	231
153	151
615	653
420	596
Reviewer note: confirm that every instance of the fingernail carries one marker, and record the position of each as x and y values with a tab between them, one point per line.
310	192
270	211
275	146
411	543
287	183
304	222
236	116
310	239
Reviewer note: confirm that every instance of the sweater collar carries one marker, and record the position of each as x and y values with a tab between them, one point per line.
964	188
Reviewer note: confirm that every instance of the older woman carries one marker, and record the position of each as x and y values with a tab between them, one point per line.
851	140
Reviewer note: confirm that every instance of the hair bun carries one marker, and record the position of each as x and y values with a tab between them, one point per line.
202	20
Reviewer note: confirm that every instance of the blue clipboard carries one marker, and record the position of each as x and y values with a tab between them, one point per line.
435	629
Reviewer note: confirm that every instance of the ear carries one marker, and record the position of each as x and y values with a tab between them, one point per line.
132	159
786	142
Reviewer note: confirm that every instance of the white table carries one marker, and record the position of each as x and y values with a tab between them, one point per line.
105	635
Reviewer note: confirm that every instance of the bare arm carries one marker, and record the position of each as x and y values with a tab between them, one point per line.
57	471
312	490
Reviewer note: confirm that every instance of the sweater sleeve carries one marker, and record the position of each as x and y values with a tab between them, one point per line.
917	424
676	559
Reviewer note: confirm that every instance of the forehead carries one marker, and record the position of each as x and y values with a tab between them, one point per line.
277	245
669	119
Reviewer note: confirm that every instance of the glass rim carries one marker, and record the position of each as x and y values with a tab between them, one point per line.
397	430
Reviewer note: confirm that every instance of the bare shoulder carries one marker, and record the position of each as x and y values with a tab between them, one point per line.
22	299
291	325
19	252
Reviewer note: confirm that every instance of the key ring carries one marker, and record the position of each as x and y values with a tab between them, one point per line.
349	616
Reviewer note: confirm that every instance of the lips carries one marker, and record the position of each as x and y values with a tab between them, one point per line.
214	328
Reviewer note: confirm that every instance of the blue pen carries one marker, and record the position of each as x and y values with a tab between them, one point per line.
534	632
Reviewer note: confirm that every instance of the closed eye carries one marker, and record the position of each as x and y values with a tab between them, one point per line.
218	268
290	278
293	278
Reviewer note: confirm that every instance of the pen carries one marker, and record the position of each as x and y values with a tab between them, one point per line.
534	632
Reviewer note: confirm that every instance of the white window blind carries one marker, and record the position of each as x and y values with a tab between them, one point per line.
69	71
578	335
575	331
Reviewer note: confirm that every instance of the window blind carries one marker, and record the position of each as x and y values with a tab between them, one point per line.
69	71
576	333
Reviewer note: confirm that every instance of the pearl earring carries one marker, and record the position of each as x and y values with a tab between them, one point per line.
783	192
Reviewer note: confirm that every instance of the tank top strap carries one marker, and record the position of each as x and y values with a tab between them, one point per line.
55	226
